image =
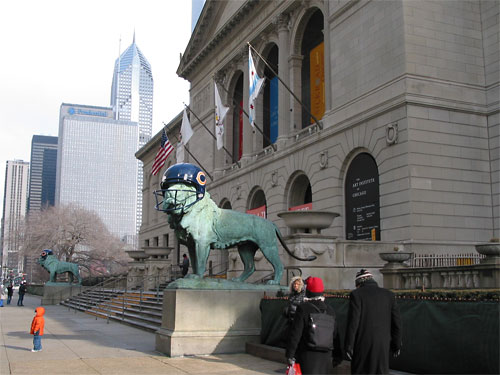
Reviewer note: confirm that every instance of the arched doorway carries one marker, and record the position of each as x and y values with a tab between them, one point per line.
362	199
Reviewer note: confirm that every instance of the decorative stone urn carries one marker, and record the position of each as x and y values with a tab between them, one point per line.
158	252
315	221
395	259
137	255
491	250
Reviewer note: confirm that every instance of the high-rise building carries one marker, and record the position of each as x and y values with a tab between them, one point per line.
15	201
42	183
96	166
132	100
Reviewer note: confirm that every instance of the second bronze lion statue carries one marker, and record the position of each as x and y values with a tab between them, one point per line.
55	267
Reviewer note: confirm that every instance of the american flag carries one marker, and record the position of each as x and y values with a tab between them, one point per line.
162	155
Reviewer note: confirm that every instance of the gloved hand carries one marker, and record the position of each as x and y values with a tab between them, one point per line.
348	355
396	353
290	361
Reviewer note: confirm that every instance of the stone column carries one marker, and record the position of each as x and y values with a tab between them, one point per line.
295	62
284	74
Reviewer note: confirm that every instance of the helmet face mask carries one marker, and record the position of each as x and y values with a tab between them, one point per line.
182	186
176	199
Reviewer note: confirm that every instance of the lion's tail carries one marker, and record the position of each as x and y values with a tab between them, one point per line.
282	241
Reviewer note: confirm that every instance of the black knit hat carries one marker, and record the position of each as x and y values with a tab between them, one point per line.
362	276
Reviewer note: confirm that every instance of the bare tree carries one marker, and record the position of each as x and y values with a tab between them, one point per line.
77	235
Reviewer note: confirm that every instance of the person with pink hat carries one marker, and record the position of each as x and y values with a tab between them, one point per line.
314	341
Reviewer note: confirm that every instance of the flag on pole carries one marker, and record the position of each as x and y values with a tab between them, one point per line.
254	87
220	114
162	154
186	130
186	134
179	153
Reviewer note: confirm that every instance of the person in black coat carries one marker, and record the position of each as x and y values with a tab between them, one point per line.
312	361
22	291
296	297
373	327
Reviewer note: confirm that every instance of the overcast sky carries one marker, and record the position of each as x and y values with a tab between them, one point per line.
57	52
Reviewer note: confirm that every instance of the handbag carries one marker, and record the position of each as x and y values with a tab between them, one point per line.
294	369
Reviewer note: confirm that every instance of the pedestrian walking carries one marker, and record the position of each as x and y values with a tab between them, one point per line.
314	342
22	291
373	327
296	297
10	293
185	265
2	294
37	326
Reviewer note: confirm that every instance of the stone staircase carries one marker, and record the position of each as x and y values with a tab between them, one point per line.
136	309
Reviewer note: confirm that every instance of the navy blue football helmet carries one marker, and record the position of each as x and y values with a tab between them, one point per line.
46	252
182	173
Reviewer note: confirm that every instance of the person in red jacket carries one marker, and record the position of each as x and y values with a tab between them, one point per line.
37	326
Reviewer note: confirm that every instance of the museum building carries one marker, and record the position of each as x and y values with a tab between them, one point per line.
384	113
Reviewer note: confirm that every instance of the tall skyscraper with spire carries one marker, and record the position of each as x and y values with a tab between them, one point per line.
132	100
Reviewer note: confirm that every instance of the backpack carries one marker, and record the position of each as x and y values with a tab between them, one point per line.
319	330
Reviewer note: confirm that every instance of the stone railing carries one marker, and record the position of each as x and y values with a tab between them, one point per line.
484	272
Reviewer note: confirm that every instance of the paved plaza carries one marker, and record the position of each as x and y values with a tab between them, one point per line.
77	343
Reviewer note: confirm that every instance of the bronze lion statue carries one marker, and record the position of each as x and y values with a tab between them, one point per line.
201	226
55	267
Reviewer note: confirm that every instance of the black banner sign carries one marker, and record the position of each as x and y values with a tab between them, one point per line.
362	199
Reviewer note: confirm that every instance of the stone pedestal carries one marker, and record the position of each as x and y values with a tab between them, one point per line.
197	322
54	293
156	272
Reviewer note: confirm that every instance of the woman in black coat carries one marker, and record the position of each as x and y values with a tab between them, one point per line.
312	361
373	327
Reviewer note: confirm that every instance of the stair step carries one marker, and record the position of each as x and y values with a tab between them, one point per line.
142	310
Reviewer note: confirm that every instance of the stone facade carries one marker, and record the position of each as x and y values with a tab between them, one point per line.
413	84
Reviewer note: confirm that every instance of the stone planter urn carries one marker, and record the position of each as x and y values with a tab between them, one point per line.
137	255
491	250
158	252
315	221
395	259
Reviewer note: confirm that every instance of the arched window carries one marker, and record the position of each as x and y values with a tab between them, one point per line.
300	193
238	119
362	199
270	118
225	204
313	69
257	204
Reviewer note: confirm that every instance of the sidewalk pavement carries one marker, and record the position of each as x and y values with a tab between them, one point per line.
78	343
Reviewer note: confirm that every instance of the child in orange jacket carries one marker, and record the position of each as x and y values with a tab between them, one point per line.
37	329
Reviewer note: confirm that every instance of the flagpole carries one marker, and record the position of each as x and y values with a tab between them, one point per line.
255	125
212	134
189	152
286	86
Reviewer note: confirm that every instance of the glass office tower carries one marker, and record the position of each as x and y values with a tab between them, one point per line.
132	100
96	165
15	202
42	172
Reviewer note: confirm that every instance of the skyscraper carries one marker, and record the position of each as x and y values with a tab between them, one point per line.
14	210
42	183
132	100
96	165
